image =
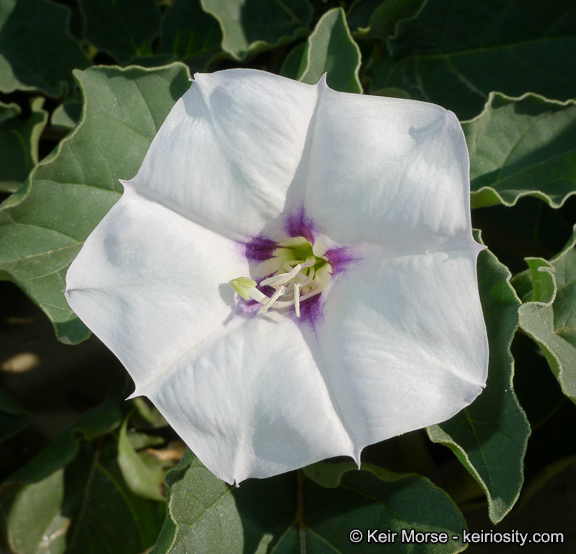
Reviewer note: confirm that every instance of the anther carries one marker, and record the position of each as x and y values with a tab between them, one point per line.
297	299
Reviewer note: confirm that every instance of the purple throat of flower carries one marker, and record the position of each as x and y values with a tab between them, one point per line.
299	271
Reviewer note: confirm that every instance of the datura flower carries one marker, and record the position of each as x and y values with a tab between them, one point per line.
291	275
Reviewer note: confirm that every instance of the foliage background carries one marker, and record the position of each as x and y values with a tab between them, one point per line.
84	86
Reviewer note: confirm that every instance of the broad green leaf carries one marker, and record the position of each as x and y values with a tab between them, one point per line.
331	49
377	20
295	62
83	507
67	115
548	314
251	26
139	441
455	53
147	413
490	436
191	34
136	473
360	12
124	29
13	418
34	519
19	140
37	50
43	226
293	513
153	60
523	146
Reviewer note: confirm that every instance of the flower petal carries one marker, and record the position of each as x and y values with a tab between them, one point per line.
407	351
250	401
397	341
229	150
151	284
388	171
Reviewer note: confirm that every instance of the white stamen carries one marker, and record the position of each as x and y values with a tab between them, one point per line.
277	280
317	290
308	279
279	292
303	278
297	299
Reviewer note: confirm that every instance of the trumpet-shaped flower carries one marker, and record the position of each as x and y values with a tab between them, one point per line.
291	275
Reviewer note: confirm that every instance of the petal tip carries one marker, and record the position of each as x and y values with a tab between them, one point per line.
356	456
322	81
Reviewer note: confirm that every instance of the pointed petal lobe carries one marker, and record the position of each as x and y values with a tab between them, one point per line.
250	401
403	343
388	171
229	149
151	284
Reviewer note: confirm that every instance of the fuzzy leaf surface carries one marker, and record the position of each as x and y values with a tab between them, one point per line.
190	34
331	49
287	513
250	26
490	436
37	50
122	28
82	503
548	314
19	142
455	53
522	147
43	225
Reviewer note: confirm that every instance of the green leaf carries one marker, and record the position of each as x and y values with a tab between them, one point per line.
122	28
35	521
490	436
331	49
19	140
64	449
520	147
138	441
377	20
37	50
251	26
192	35
548	315
136	473
360	13
43	226
455	53
13	418
146	413
84	507
67	115
295	62
286	512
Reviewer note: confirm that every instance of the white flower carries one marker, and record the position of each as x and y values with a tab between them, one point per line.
250	175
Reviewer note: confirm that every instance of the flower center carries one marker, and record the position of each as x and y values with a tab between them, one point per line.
301	275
